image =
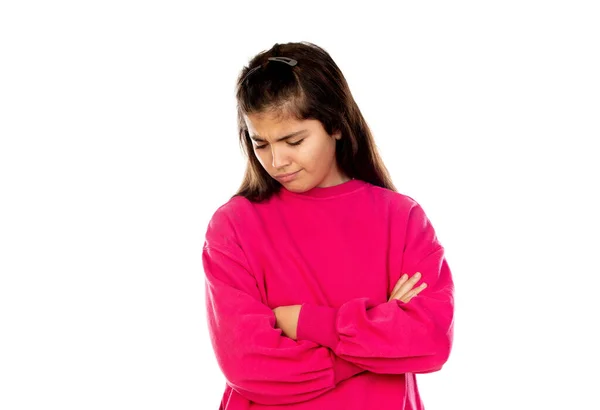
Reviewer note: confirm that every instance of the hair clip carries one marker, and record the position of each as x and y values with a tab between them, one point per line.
249	72
289	61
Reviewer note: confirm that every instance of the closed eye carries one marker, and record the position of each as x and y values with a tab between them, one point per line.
294	144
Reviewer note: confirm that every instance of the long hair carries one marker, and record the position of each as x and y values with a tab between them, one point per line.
313	88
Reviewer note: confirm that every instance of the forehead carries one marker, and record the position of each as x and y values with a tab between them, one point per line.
273	124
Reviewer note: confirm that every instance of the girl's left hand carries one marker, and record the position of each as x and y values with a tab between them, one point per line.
287	319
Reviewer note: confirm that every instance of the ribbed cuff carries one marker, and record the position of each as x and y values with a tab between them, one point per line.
317	324
343	370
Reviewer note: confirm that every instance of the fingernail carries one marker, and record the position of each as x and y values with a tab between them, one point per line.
404	276
418	274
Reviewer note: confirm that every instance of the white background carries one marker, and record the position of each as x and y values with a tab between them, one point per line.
118	142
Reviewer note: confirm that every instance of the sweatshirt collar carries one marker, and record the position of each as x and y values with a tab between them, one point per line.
327	192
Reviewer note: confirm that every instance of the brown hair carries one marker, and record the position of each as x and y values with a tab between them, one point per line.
314	88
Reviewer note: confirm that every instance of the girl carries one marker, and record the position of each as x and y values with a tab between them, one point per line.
313	268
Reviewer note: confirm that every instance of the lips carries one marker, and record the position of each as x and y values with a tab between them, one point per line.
286	175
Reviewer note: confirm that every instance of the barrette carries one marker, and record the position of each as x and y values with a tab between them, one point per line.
289	61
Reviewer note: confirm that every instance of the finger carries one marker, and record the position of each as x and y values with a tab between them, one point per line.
400	282
410	293
413	293
408	285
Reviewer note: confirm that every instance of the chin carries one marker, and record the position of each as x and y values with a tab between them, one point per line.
293	186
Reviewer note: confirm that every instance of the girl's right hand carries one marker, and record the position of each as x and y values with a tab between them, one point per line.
404	291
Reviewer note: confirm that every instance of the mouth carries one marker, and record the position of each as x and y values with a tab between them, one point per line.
287	177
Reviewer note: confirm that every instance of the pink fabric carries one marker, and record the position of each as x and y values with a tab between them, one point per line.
338	252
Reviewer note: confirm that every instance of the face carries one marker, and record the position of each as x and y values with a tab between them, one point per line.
288	145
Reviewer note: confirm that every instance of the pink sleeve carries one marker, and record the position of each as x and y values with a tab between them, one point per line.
394	337
258	361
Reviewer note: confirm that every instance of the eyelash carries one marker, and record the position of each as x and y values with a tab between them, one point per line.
289	143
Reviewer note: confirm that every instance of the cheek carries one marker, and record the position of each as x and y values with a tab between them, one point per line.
320	155
312	159
260	156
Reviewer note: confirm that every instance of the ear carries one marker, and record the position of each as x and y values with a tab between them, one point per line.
337	135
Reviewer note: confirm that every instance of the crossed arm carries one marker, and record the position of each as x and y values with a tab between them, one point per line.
404	290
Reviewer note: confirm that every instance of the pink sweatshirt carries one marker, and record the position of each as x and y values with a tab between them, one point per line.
338	252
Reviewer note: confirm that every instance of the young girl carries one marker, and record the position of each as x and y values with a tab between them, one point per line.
313	268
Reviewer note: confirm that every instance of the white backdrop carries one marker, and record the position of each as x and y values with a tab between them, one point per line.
118	142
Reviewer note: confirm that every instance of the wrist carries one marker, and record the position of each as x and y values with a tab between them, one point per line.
318	324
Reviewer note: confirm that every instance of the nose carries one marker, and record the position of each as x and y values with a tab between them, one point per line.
280	159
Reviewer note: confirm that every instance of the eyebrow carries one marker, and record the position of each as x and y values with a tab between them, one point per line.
258	139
